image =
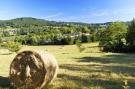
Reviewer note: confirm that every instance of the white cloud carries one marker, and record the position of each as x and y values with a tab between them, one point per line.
105	15
112	12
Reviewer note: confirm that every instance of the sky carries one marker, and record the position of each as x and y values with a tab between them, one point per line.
88	11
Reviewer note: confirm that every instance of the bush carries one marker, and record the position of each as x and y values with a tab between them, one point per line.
85	38
79	45
12	46
68	40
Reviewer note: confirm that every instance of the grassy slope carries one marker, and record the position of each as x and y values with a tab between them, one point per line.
90	69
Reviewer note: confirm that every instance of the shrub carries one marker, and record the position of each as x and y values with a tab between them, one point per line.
79	45
68	40
85	38
12	46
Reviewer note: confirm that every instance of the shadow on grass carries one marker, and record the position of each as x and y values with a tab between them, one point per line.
93	82
117	58
107	69
107	65
86	68
4	82
89	82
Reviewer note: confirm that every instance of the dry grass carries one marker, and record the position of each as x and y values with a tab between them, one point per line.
90	69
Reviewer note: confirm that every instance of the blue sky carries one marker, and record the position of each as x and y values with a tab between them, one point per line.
89	11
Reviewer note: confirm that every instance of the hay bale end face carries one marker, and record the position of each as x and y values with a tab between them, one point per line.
33	69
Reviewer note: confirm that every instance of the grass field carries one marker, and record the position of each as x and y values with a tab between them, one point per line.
90	69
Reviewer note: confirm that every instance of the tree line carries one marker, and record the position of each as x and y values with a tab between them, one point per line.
112	36
32	31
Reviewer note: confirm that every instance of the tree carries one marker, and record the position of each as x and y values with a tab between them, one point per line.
131	34
0	38
112	39
85	38
85	29
31	40
68	40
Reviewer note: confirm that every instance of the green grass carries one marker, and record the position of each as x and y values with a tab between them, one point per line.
90	69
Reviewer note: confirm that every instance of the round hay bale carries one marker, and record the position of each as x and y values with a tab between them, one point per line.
33	69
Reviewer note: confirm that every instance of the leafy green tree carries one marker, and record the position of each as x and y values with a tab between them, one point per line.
68	40
31	39
112	39
85	38
131	34
0	38
93	37
85	29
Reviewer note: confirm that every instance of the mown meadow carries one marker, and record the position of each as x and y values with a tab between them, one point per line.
90	69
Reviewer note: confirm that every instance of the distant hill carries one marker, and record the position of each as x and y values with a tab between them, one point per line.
26	21
29	21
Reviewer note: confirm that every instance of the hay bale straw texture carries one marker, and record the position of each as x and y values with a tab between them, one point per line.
33	69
